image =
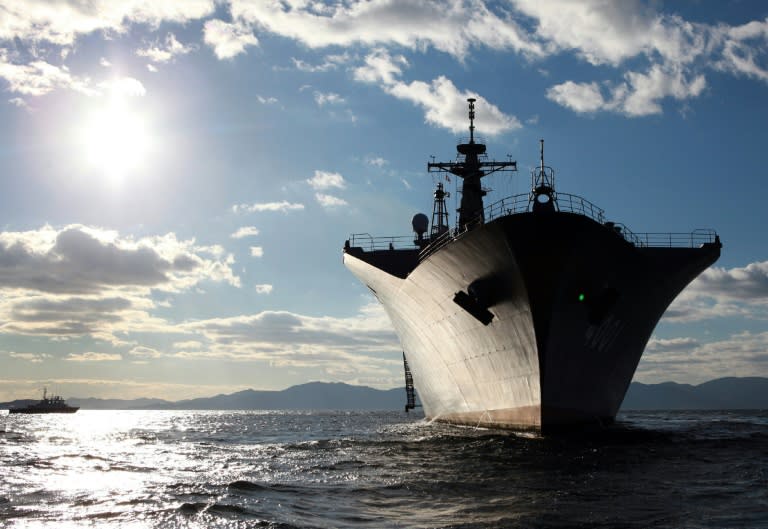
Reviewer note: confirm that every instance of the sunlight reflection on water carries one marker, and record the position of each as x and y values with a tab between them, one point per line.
159	469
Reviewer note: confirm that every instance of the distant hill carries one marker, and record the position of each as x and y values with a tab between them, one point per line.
311	396
720	394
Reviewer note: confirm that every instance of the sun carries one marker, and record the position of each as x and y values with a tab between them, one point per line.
115	140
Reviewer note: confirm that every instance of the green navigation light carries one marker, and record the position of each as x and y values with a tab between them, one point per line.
581	296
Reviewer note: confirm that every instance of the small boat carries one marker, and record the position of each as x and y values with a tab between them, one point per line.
52	404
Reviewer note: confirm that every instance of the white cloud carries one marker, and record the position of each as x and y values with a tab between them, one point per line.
19	102
689	360
329	201
257	251
79	281
326	180
141	351
639	95
39	77
742	49
228	40
722	293
189	344
294	339
444	105
167	50
93	357
331	62
283	206
376	161
152	68
35	358
124	87
579	97
61	22
380	67
329	98
245	231
266	100
452	27
263	289
104	62
79	259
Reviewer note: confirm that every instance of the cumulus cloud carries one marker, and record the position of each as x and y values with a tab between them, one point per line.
689	360
263	288
329	98
257	251
82	281
94	357
452	27
720	292
748	283
77	259
228	40
326	180
245	231
295	339
39	77
329	201
283	206
143	352
639	95
444	105
35	358
579	97
677	52
166	50
331	62
376	161
124	87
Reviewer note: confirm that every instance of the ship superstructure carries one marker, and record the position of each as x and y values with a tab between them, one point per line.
532	312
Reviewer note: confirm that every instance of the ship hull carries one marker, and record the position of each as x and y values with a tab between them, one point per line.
532	321
29	411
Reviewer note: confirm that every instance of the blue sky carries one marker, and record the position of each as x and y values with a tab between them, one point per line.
178	178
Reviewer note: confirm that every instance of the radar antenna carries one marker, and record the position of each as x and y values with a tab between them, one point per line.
543	196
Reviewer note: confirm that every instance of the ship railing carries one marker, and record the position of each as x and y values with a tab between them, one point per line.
576	204
694	239
523	203
369	243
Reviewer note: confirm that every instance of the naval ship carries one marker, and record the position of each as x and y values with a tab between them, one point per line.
531	313
52	404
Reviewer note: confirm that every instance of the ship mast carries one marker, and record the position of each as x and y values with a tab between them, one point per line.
439	212
469	167
543	196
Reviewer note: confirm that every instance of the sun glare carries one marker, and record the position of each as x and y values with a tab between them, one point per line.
116	141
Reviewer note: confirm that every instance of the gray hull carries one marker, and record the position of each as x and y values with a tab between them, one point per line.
532	321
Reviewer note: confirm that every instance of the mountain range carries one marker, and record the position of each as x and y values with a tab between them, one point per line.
720	394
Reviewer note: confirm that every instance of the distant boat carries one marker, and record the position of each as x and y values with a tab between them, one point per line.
52	404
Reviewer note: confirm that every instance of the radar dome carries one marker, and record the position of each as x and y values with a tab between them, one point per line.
420	223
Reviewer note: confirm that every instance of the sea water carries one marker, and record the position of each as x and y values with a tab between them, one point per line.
201	469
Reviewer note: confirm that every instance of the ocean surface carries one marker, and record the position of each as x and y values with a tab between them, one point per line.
200	469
